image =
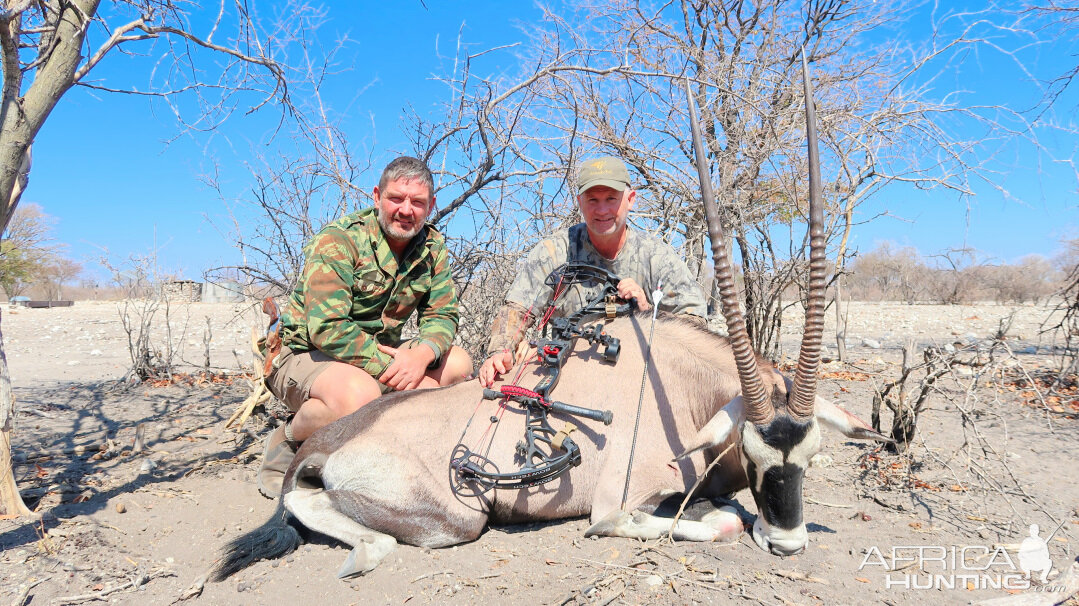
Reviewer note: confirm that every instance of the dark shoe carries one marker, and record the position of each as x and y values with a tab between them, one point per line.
275	461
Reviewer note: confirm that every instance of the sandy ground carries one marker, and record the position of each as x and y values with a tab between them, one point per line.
141	528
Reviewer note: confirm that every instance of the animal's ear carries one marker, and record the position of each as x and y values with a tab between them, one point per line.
716	431
844	422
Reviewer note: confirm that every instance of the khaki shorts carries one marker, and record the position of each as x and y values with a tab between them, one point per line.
294	374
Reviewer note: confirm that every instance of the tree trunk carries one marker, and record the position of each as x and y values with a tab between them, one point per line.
11	504
840	322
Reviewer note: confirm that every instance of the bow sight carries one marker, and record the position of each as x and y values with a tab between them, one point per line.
545	454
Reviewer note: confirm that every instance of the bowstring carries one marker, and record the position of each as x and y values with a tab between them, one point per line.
492	427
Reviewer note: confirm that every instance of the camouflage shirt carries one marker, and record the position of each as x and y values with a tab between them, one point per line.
354	293
644	258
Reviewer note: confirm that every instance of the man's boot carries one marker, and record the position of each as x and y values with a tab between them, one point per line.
280	451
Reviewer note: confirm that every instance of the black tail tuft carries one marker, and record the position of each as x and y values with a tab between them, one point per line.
275	538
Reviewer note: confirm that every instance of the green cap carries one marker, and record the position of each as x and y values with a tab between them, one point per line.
602	171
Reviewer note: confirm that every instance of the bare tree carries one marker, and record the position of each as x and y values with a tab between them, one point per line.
1056	19
57	272
607	83
25	248
290	200
889	272
1030	279
1064	320
297	191
491	177
954	280
50	46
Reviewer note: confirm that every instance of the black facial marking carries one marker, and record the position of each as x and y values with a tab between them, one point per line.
782	489
779	499
784	433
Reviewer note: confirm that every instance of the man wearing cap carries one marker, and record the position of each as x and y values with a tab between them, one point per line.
641	261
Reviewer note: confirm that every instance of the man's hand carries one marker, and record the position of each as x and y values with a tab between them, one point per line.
408	368
496	365
629	289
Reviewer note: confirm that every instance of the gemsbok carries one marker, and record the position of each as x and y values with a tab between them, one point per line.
432	468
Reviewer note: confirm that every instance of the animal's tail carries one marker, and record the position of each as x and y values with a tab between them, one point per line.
275	538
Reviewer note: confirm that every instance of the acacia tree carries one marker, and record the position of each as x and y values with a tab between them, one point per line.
57	272
25	248
48	47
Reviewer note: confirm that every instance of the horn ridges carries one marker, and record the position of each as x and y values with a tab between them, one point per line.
804	390
758	408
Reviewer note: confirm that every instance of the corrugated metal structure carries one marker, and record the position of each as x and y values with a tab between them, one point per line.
222	292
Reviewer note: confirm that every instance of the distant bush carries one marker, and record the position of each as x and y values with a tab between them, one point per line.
892	273
889	273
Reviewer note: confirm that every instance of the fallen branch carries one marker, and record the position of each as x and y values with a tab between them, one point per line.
259	395
586	590
134	583
667	577
25	591
432	574
81	449
195	589
799	576
691	491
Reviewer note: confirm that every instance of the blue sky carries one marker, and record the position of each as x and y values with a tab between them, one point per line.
104	170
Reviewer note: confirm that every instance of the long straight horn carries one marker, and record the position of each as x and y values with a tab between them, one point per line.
804	392
758	409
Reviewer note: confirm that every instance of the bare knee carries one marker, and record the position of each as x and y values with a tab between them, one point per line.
344	389
351	394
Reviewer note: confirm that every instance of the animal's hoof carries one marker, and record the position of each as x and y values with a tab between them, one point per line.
356	564
365	556
608	526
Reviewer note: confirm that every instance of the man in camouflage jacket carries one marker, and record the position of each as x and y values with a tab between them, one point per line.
642	261
364	275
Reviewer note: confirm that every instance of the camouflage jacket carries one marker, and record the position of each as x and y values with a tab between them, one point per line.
354	293
644	258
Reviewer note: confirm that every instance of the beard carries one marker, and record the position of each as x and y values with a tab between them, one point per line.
394	232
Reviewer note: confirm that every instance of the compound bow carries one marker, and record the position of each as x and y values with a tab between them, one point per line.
545	454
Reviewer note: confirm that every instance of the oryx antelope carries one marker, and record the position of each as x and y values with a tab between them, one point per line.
382	474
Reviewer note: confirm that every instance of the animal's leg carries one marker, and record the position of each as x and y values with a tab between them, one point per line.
316	509
702	520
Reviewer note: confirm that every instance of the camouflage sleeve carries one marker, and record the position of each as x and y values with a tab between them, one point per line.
528	289
508	328
681	293
438	311
327	276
